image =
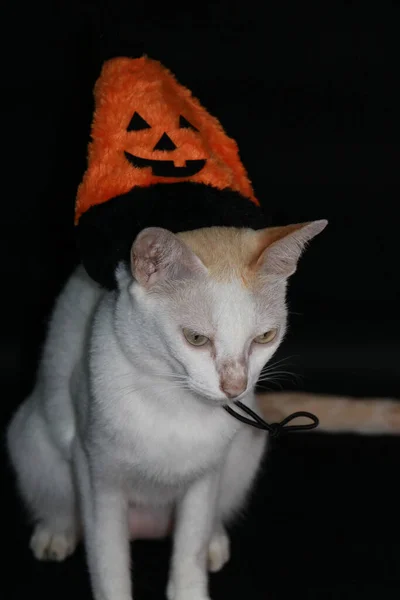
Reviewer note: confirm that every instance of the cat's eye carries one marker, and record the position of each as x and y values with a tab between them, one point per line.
195	339
266	337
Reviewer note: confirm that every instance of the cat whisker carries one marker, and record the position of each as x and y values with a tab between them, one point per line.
269	388
279	380
280	372
273	385
172	376
270	366
169	376
130	374
127	391
276	378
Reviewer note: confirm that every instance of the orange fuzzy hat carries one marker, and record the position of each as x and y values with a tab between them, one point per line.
149	132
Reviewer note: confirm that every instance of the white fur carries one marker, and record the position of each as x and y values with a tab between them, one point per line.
128	410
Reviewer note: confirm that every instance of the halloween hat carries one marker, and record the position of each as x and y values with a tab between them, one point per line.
156	158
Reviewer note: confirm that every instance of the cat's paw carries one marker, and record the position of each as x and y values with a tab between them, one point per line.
51	545
187	594
218	551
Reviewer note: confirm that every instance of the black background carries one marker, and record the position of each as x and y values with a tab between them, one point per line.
312	99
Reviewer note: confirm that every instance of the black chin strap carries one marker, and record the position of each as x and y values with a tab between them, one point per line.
274	429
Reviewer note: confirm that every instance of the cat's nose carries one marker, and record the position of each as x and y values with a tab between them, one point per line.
233	377
234	387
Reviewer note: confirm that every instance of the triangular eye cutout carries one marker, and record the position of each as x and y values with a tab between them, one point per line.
184	124
137	123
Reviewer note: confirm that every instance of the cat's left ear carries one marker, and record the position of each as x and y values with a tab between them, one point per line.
281	247
158	255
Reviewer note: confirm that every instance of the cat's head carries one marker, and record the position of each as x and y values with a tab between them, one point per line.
213	300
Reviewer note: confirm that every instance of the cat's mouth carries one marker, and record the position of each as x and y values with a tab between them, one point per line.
214	399
207	396
166	168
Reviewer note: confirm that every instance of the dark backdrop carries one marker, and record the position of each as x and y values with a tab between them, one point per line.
312	99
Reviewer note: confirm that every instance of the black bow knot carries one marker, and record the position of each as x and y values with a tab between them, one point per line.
274	429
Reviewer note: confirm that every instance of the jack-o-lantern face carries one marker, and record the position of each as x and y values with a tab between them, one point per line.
148	129
162	167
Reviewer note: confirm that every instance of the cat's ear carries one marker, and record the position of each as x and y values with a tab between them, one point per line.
283	246
158	255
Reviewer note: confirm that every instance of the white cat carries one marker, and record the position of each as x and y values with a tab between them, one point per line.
125	432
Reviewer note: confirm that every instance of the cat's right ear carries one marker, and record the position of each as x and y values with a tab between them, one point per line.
283	246
158	255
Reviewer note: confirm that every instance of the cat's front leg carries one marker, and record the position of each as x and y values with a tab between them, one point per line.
106	532
188	579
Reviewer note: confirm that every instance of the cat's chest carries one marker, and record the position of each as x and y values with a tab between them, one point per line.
182	448
173	447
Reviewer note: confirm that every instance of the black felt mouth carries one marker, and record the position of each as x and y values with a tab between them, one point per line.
166	168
